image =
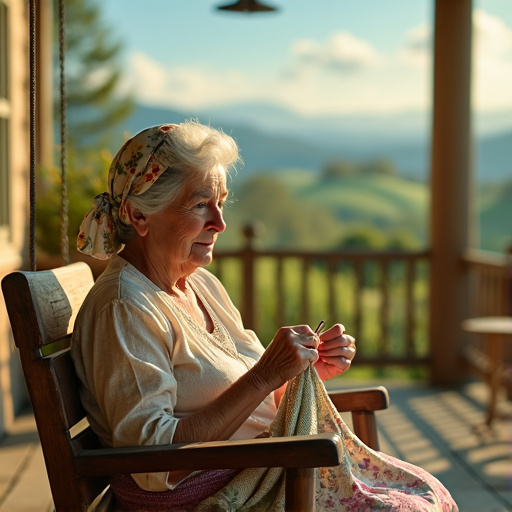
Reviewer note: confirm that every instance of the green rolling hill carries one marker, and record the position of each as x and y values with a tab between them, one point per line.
495	217
305	210
385	200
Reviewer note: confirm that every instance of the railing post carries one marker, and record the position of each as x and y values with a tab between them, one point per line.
248	291
507	283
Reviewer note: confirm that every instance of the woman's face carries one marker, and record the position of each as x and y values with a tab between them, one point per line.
183	235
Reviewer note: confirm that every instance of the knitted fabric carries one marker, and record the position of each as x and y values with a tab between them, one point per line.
366	481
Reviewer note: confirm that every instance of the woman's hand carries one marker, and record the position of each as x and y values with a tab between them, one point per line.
289	353
336	351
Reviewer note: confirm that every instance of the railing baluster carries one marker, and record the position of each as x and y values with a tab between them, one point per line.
410	274
496	296
488	289
331	289
219	268
358	297
489	271
280	292
384	339
304	307
248	292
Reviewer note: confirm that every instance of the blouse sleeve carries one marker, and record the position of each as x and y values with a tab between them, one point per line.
138	379
125	353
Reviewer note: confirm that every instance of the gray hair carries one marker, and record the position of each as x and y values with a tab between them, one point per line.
190	152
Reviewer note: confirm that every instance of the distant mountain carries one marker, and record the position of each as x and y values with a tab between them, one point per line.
326	130
273	138
144	116
494	157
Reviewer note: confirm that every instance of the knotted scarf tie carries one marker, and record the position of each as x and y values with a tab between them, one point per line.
137	165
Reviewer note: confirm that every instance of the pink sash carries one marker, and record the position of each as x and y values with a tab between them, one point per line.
129	496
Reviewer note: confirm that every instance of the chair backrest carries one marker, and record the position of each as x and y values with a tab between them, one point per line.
42	307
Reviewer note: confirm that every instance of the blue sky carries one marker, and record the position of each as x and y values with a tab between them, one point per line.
313	56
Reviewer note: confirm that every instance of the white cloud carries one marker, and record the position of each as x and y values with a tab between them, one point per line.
492	59
492	36
341	52
306	50
492	43
347	74
417	48
148	77
186	87
341	74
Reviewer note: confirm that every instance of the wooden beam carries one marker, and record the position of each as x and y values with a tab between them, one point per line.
44	83
451	185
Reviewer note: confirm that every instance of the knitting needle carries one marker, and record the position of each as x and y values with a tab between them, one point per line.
320	325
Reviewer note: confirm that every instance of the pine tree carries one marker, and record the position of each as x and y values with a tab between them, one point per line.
95	107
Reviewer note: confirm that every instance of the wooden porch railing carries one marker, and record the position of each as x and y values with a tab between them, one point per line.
490	276
380	297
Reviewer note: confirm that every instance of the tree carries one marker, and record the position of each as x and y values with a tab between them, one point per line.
370	237
93	72
336	169
364	237
290	222
94	107
86	181
379	166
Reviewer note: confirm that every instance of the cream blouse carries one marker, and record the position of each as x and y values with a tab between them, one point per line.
144	364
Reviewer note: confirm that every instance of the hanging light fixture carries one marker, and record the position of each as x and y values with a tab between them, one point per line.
247	6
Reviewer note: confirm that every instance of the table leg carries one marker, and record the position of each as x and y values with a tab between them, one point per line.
494	345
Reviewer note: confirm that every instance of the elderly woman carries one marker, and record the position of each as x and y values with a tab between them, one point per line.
160	349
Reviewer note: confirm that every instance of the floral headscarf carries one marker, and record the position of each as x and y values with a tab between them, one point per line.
137	165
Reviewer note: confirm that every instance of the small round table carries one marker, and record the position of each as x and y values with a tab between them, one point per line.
497	331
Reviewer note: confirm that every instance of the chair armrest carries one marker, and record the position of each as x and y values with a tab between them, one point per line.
362	404
319	450
362	399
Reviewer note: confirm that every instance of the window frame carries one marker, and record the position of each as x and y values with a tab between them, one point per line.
5	118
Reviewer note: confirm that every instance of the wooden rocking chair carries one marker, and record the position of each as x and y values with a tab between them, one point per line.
42	308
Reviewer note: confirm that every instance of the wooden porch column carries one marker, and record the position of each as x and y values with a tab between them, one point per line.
44	83
451	185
